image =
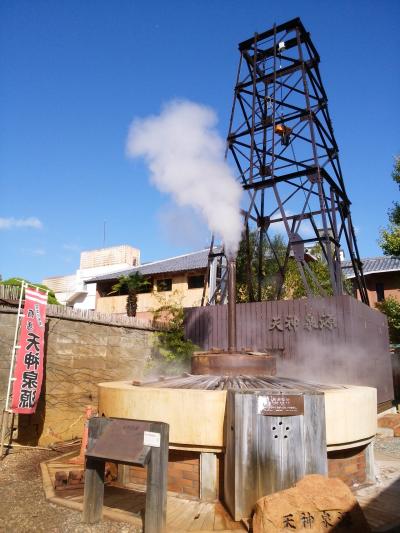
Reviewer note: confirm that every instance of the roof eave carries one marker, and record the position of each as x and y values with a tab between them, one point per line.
350	276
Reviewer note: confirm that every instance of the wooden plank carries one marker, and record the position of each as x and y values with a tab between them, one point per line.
176	510
182	521
239	327
208	477
230	524
156	499
223	340
241	427
230	474
93	491
198	517
316	461
219	520
208	522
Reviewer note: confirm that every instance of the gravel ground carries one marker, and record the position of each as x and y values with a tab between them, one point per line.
24	508
388	446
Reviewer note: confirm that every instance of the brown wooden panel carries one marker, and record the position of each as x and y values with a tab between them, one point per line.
336	339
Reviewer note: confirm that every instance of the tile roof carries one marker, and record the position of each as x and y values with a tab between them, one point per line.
372	265
182	263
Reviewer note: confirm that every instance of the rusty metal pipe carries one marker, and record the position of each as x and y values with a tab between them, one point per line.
232	305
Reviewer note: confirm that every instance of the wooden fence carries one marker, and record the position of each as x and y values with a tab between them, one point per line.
10	296
333	340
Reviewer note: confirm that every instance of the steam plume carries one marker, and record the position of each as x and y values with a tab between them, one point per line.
185	155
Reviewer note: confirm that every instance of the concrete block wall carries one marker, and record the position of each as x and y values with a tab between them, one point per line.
78	355
7	328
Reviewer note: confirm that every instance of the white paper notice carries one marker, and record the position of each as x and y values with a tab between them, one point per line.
152	439
262	403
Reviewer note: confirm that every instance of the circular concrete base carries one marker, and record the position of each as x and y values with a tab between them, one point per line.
196	417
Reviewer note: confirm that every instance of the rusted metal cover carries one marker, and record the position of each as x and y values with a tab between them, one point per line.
280	405
233	364
120	440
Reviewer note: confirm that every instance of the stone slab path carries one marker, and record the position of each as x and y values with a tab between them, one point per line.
381	502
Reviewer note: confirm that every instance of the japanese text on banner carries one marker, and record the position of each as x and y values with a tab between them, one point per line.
28	372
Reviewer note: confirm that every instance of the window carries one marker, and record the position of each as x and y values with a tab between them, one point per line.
380	292
147	287
104	289
164	285
195	282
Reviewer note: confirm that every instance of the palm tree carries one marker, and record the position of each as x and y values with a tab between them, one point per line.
134	283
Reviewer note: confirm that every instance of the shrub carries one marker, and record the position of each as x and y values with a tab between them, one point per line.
172	343
16	282
391	308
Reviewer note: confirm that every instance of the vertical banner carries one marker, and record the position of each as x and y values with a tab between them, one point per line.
28	373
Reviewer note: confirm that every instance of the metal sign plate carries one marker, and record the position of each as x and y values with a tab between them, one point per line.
280	405
121	441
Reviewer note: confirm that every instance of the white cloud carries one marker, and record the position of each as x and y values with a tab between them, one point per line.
30	222
185	155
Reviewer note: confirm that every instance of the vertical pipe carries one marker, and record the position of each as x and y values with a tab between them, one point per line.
232	304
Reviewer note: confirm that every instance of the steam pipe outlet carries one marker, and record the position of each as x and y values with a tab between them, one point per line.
232	305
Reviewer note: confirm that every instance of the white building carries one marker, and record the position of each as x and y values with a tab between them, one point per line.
72	290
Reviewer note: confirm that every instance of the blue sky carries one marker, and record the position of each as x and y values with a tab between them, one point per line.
75	73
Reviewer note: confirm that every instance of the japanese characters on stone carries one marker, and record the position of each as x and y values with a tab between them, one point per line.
310	520
323	321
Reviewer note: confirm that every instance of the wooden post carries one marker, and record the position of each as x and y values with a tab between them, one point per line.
4	427
93	496
123	474
156	498
208	477
370	463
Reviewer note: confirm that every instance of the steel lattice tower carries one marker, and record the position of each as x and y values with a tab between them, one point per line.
282	142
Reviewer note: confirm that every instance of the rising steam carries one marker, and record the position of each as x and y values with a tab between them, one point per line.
185	155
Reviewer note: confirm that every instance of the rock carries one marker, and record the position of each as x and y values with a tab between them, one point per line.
316	503
391	420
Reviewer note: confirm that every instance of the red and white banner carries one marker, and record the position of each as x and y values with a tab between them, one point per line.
28	372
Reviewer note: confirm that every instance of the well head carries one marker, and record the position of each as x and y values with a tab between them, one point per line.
233	364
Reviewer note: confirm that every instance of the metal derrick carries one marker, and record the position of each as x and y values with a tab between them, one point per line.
282	142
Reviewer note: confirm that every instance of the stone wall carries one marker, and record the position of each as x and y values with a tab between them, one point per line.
78	355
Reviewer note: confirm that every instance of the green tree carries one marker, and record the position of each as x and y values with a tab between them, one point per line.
390	236
16	282
293	287
248	263
133	285
391	308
